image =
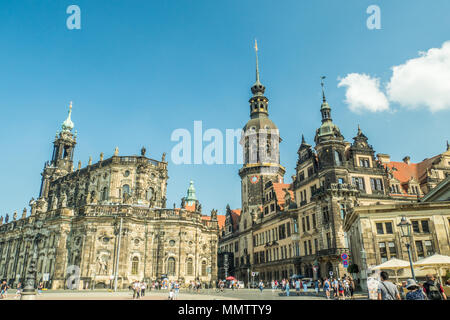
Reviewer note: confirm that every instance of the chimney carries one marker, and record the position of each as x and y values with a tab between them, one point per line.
406	160
384	158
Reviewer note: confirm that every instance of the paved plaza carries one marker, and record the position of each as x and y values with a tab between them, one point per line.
205	294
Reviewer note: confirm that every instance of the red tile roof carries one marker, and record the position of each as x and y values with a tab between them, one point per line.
235	215
221	220
190	207
279	192
404	172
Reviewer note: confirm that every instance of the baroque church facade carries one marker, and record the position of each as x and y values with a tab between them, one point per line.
105	221
297	228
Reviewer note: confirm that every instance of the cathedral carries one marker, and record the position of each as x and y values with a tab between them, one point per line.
107	225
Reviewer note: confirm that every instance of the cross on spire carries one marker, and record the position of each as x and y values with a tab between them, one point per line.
257	67
322	84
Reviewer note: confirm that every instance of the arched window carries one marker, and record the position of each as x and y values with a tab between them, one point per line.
204	268
189	267
125	189
337	158
245	224
171	266
135	266
104	193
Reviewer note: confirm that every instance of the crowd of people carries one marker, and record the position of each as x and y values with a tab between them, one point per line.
338	288
431	289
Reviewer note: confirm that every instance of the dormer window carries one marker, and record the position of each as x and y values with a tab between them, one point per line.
364	162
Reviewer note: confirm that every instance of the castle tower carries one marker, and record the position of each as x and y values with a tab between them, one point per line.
260	143
62	158
330	144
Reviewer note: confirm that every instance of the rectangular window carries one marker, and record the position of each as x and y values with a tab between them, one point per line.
314	220
326	217
388	226
415	226
419	248
425	227
383	252
303	224
328	240
310	171
301	177
392	250
316	245
307	223
310	246
288	228
358	182
380	228
306	248
376	184
429	247
364	162
236	246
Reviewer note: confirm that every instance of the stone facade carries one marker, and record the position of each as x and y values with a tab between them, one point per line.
105	219
374	235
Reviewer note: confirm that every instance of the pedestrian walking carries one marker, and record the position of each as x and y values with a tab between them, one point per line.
327	288
177	290
305	287
40	287
287	288
386	289
352	287
143	287
19	291
4	289
414	291
297	286
433	289
136	289
341	290
316	286
261	286
335	284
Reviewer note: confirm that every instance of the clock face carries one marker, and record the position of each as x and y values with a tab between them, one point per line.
254	179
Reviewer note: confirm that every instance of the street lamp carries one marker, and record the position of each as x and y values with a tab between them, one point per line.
405	228
29	292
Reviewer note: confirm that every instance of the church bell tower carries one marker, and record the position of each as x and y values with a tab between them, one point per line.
260	143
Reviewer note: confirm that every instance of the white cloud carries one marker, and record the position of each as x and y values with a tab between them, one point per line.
419	82
363	93
423	81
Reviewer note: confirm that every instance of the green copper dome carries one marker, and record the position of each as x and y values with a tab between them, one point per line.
68	125
191	193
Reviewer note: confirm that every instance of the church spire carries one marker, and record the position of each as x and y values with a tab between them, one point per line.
325	108
258	102
257	66
323	91
68	125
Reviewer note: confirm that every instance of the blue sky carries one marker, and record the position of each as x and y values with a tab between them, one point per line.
137	70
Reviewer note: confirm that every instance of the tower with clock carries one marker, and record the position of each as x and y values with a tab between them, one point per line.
260	143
